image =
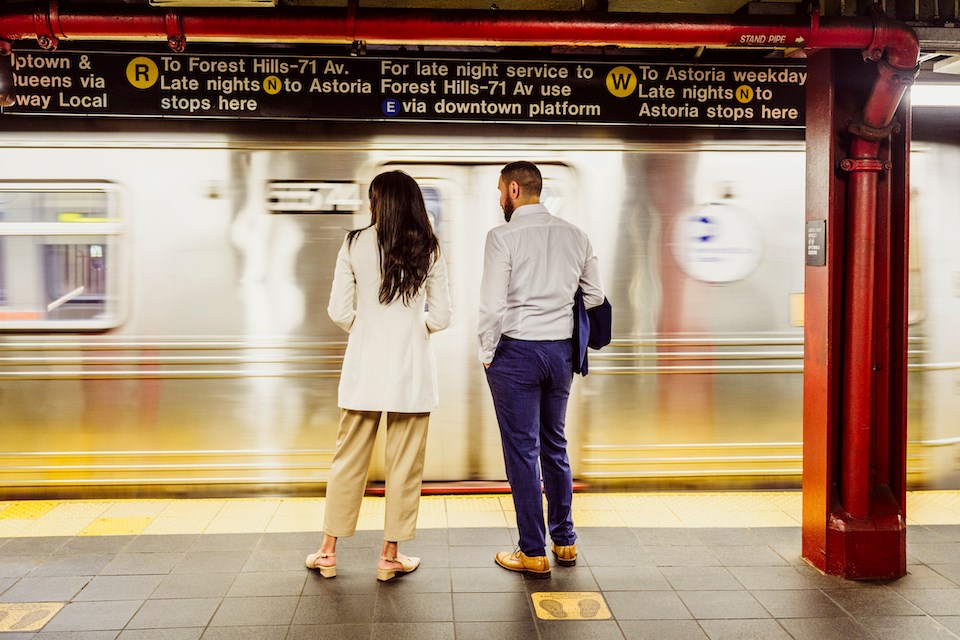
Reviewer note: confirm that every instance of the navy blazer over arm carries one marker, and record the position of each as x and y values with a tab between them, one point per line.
591	328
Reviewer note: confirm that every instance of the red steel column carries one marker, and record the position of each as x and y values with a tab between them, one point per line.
822	304
855	325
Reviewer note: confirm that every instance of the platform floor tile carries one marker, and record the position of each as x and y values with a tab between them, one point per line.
629	583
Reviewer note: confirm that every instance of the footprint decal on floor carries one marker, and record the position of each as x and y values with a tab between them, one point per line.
30	619
554	608
588	608
567	605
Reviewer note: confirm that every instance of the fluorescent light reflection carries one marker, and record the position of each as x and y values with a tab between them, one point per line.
935	95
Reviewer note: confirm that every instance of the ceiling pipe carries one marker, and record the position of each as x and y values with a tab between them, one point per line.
894	45
49	24
878	37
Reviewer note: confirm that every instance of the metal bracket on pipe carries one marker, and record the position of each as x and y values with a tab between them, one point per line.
863	130
897	76
874	51
175	38
886	33
864	164
43	19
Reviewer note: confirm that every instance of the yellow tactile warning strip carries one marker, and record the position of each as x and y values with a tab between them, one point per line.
27	510
21	519
570	605
27	616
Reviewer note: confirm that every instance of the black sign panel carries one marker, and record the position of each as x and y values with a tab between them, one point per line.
359	88
816	243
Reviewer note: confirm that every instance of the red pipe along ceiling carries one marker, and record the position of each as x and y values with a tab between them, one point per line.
48	24
875	36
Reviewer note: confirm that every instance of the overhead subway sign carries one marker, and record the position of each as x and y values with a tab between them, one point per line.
255	85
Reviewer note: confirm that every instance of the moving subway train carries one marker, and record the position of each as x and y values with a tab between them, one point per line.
163	291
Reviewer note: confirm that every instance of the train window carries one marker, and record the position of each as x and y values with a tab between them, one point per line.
432	200
59	256
551	195
292	196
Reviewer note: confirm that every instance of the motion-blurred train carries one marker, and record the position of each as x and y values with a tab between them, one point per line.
163	291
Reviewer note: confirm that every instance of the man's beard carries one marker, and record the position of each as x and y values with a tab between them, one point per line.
508	208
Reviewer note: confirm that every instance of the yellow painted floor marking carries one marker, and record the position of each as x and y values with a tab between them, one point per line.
175	526
570	605
236	525
305	507
128	526
26	518
136	509
433	504
473	520
593	502
948	498
79	509
27	616
27	510
12	528
48	526
373	507
193	509
598	518
473	504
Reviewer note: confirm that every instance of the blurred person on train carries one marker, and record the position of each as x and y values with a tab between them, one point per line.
532	267
385	274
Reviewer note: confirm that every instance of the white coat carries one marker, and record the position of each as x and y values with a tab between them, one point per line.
389	364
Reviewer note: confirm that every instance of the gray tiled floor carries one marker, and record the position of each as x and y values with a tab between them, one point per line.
688	584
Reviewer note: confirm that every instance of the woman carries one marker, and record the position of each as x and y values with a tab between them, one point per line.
385	273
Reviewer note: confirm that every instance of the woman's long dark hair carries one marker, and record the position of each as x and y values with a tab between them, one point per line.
406	241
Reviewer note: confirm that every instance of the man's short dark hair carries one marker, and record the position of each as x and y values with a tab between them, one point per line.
524	174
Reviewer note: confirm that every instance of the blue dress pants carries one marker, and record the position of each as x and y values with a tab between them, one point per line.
530	383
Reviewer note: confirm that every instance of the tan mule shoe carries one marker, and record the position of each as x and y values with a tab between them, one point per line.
407	565
327	571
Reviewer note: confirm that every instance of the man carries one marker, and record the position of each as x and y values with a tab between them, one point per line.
532	267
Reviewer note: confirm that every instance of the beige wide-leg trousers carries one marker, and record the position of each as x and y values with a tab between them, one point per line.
406	444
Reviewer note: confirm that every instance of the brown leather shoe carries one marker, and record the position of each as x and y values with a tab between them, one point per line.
566	555
533	566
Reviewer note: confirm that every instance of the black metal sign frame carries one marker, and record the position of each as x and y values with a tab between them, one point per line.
260	85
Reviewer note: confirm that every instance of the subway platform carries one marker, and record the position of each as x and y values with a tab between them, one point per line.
665	566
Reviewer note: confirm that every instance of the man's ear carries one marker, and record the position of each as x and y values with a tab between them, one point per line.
514	189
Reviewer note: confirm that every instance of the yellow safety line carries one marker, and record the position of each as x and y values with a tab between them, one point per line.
26	518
